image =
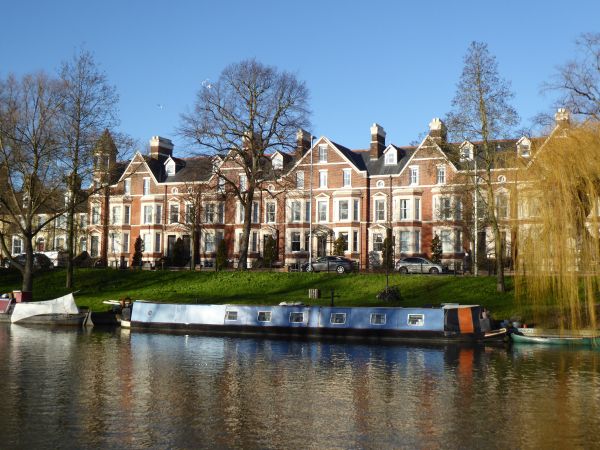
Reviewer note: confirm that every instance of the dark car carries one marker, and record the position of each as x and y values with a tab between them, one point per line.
40	261
338	264
418	265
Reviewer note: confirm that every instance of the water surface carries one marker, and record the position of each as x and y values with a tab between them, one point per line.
116	389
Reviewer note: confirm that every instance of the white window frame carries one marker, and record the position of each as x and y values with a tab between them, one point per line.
356	210
295	211
146	186
300	180
336	316
415	320
347	178
322	179
378	211
390	157
404	243
15	246
323	153
404	209
173	206
115	217
95	215
265	318
339	210
414	175
326	203
295	314
271	216
127	186
441	175
147	219
378	315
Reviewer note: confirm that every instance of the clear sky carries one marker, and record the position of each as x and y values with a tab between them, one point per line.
391	62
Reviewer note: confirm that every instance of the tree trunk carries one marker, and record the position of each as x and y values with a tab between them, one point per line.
499	250
498	247
27	285
243	261
70	240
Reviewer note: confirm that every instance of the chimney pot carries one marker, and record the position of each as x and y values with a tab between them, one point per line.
303	142
377	141
160	146
437	130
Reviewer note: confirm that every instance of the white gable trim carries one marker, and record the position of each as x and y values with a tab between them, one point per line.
137	153
421	145
320	141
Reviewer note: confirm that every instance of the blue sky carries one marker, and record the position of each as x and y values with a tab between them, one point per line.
391	62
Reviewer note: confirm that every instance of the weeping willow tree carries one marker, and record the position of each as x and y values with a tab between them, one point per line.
558	262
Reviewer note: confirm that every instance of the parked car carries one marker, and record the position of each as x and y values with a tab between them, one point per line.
40	261
338	264
418	265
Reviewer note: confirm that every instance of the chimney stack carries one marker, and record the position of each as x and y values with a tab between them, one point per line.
562	118
160	146
377	141
303	141
437	130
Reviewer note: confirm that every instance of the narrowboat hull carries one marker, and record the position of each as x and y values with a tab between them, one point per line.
372	324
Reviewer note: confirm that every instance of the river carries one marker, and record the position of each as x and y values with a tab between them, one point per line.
121	389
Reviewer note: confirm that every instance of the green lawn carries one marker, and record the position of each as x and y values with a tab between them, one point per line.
96	285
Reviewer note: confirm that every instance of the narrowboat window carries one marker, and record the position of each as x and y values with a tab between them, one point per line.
264	316
296	317
378	319
338	318
231	315
417	320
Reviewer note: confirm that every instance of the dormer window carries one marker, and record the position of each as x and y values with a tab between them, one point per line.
524	147
170	167
277	162
466	152
390	157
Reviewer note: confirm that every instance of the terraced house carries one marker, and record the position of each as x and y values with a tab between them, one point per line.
356	194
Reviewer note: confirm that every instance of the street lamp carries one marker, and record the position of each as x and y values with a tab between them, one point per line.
475	268
310	216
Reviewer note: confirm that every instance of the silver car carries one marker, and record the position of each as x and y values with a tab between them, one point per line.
417	264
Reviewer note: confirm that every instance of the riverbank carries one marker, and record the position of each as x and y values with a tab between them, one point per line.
97	285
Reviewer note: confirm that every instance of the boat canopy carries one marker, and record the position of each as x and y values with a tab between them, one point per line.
61	305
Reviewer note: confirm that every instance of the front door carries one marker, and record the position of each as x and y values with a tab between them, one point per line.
170	245
322	245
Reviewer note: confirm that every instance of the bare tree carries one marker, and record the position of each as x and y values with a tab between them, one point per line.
194	197
88	107
481	112
32	180
250	111
578	80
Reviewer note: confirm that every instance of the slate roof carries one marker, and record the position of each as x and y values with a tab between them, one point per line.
378	166
191	169
200	168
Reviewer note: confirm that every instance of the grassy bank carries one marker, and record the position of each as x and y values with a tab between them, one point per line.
96	285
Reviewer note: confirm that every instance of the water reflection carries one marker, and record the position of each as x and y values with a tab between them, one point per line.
139	390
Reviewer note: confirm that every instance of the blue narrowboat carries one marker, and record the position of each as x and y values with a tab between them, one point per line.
445	323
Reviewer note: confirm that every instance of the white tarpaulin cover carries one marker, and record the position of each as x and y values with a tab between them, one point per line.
61	305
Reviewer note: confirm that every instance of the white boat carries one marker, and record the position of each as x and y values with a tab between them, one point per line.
59	311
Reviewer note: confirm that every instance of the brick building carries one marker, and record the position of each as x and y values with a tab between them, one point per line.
354	194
